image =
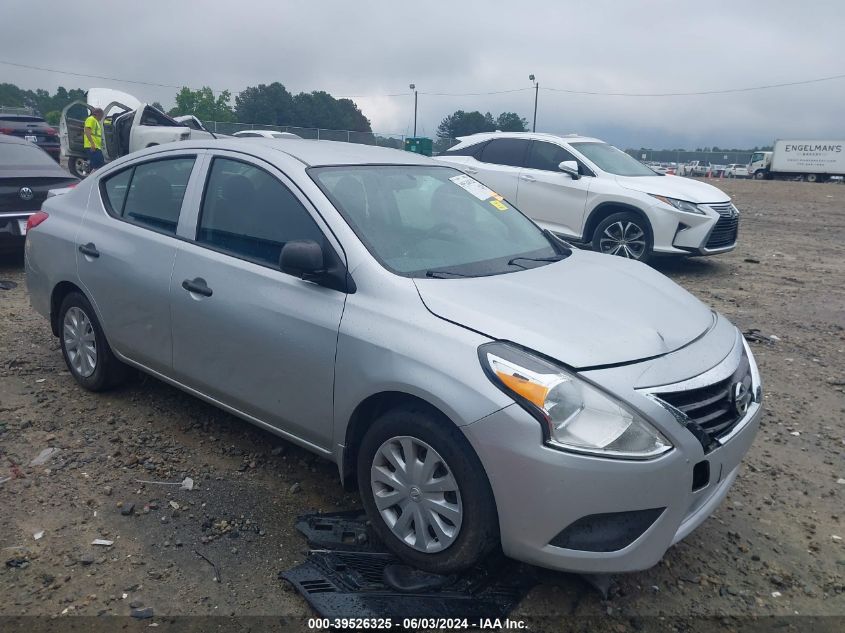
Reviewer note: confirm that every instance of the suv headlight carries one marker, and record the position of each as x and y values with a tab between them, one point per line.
680	205
575	415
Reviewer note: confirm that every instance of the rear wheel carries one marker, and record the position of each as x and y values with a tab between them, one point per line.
79	166
426	492
812	178
84	347
624	234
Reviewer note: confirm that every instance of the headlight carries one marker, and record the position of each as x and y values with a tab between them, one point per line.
680	205
575	415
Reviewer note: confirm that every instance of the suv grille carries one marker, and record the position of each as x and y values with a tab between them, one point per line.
712	407
727	226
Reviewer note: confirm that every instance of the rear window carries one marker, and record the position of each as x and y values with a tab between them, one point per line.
149	194
23	155
21	118
505	151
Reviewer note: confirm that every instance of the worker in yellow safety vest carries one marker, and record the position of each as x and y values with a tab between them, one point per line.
92	139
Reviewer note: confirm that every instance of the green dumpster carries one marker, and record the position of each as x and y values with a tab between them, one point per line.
418	145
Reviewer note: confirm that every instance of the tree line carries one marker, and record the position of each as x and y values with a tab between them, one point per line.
266	104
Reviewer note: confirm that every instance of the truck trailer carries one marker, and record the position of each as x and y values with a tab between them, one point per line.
813	161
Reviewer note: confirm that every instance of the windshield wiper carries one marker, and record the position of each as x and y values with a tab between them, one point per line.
437	274
555	258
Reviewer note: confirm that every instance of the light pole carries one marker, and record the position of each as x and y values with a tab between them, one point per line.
536	93
414	88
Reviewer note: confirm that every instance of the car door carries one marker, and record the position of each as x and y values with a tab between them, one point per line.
244	333
549	196
126	246
498	165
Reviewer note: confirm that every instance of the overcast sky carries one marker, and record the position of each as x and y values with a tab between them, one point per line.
377	48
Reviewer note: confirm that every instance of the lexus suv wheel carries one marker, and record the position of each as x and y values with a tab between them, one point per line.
624	234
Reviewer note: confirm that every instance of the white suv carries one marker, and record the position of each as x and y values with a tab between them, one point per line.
590	192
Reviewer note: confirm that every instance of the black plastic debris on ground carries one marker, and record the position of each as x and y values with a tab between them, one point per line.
349	573
7	285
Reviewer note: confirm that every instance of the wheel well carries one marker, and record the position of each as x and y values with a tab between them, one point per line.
360	421
604	211
61	290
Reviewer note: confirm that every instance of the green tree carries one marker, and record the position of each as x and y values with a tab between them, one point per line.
321	110
511	122
203	104
265	104
461	123
53	117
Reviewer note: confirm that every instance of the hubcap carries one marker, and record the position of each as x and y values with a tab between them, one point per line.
79	342
416	494
625	239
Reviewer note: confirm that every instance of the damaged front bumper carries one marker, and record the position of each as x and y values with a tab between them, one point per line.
596	515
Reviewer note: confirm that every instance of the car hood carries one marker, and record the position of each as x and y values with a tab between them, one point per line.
674	187
585	311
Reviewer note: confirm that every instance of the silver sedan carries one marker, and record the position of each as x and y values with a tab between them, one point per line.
484	385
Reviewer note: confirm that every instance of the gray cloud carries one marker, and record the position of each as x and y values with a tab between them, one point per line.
378	47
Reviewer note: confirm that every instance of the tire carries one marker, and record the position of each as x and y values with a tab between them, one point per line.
78	326
78	167
624	234
759	175
811	178
467	536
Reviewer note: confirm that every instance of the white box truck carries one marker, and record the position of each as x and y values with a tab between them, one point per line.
813	161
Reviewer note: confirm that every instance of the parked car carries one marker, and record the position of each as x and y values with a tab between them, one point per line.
26	174
736	170
128	125
590	192
484	384
31	128
696	168
264	134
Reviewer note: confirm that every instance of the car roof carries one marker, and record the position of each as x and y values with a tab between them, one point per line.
312	153
540	136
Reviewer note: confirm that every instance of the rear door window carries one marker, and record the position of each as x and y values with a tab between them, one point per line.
149	194
505	151
247	212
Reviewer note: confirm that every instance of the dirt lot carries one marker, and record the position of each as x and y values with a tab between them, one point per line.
774	547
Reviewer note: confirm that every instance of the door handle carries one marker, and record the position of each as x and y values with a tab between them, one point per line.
197	286
470	170
89	250
528	178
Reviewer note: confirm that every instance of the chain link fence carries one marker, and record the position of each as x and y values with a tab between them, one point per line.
721	157
396	141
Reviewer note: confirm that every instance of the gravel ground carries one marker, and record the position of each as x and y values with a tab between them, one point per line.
775	547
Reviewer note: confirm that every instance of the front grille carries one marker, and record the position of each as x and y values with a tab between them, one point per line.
727	227
712	407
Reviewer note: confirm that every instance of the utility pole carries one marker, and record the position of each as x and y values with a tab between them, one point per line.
414	88
536	94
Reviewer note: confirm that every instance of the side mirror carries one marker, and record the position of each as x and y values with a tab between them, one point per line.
302	258
570	167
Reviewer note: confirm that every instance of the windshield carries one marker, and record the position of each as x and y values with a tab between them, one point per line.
612	160
422	221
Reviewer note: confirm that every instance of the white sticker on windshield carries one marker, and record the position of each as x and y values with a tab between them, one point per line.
474	187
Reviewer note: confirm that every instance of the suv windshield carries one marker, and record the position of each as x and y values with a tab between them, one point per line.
612	160
421	221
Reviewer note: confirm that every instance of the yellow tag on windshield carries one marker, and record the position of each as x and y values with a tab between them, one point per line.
499	205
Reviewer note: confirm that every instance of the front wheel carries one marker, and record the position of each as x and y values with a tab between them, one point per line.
426	492
624	234
759	175
79	167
